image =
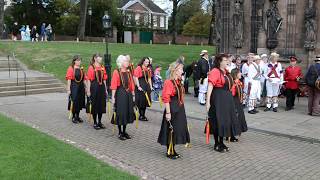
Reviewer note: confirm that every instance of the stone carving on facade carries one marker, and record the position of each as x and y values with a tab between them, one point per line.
274	22
310	25
237	22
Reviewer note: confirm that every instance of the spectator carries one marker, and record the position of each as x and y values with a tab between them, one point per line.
157	83
34	34
313	91
49	32
27	33
15	31
22	32
43	32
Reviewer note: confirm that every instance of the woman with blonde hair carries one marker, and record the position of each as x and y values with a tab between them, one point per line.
122	86
174	128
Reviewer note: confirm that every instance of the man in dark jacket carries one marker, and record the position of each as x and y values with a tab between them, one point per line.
204	66
314	93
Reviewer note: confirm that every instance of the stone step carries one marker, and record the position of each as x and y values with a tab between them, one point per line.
2	69
32	91
32	86
11	62
12	66
28	82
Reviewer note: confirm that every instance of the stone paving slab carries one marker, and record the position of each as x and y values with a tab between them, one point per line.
294	123
256	156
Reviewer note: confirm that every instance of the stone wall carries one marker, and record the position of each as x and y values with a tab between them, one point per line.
291	36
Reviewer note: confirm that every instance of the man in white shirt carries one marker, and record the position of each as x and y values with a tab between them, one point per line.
263	64
273	75
254	86
244	71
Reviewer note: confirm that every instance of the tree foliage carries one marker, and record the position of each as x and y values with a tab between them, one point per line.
198	25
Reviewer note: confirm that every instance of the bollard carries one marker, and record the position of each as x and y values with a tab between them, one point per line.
187	43
169	43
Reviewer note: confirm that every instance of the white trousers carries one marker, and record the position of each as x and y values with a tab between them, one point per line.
273	90
254	94
203	88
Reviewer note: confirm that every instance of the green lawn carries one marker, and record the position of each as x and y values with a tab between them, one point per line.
27	154
54	57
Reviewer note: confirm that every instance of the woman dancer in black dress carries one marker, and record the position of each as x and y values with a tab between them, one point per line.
142	77
122	86
97	90
76	88
220	106
174	128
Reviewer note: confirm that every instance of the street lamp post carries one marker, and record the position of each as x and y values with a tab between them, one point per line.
107	25
90	14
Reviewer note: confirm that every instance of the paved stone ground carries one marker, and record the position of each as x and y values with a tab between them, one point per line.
257	155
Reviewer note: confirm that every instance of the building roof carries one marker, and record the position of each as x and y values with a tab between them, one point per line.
148	3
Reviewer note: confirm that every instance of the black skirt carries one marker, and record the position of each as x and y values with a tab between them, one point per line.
179	123
222	114
141	100
240	114
98	98
123	107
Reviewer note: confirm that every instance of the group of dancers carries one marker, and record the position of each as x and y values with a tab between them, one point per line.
131	88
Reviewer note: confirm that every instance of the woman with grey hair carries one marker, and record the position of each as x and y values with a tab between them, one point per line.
122	86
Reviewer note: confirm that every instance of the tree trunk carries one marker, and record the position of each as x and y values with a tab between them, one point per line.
1	17
83	15
174	14
212	23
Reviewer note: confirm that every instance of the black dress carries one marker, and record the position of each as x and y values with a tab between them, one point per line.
178	121
222	113
239	108
124	101
141	100
77	95
98	94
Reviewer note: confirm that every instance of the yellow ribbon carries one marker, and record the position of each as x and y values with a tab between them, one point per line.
147	97
114	122
137	119
90	114
109	109
71	109
188	145
170	149
160	100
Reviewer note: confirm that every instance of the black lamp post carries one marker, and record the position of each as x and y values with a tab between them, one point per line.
90	14
107	25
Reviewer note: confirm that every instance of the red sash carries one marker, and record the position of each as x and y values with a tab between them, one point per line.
273	71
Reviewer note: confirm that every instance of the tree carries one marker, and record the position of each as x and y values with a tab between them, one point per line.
175	4
212	6
198	25
1	17
83	17
186	10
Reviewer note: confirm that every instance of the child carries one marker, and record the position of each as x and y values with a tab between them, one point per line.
157	83
237	94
